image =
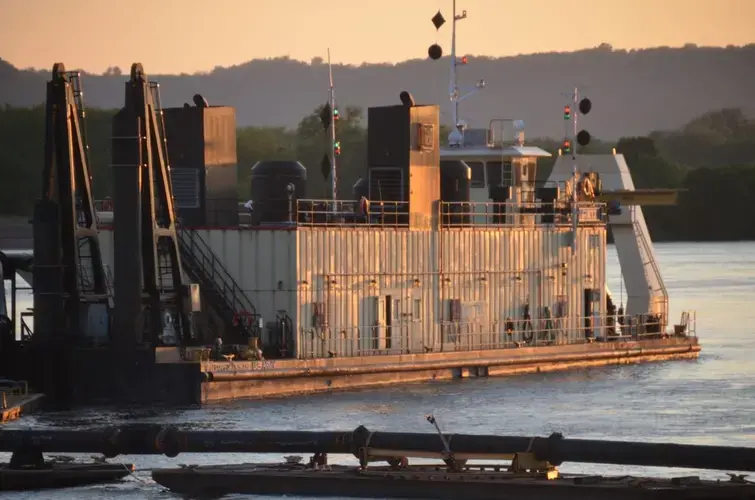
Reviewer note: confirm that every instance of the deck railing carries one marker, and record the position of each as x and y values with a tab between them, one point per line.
413	337
351	213
344	213
492	214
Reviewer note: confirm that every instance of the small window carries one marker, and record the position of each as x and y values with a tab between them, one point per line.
478	174
454	310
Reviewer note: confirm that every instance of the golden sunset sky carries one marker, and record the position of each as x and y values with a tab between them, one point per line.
176	36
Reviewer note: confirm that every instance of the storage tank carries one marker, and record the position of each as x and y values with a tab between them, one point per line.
455	184
361	188
269	188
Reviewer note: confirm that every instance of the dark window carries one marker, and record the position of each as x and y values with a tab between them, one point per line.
478	174
499	173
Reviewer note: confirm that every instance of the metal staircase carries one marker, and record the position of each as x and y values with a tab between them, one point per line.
219	288
199	262
659	294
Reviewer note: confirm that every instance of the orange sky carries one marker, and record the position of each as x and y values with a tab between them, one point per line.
196	35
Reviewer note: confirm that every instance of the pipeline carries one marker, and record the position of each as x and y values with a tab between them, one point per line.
148	439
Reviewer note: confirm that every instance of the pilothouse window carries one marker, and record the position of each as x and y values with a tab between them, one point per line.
478	174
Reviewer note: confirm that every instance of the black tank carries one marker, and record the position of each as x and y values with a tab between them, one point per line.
455	184
270	182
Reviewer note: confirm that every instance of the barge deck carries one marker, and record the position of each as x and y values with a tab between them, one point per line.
16	400
225	380
483	482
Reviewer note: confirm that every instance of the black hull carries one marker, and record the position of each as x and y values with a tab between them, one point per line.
216	481
61	476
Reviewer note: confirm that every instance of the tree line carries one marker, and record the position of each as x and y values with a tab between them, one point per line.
712	158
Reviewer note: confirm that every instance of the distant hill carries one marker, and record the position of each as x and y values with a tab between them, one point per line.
633	92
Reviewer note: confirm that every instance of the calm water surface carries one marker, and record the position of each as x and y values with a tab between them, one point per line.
708	401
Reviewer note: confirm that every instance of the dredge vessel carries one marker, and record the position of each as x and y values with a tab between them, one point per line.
449	263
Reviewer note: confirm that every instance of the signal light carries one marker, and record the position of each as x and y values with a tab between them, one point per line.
464	60
567	146
335	115
337	148
567	112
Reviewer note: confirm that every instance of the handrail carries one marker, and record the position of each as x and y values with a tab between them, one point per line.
653	264
26	332
214	270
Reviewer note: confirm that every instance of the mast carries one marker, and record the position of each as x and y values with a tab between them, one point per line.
332	102
456	137
454	86
575	173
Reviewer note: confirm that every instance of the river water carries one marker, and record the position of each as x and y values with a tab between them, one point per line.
707	401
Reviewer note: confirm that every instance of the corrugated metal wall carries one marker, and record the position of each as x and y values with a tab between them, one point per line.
368	292
376	291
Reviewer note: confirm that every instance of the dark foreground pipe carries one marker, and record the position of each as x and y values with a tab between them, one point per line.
149	439
556	450
156	439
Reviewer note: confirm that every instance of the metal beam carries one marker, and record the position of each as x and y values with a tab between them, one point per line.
645	197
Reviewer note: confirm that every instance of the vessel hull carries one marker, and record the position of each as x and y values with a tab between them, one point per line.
278	378
61	476
211	481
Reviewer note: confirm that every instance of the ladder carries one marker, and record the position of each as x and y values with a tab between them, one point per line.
86	272
78	98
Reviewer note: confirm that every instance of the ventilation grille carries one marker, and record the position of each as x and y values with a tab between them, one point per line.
386	184
185	183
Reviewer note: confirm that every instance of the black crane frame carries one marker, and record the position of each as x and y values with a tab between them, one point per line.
145	239
68	273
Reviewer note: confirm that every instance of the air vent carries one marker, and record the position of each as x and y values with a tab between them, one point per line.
185	182
386	184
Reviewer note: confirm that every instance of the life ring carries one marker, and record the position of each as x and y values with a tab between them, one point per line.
364	205
527	327
587	189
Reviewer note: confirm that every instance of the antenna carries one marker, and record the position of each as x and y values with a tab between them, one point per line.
456	137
